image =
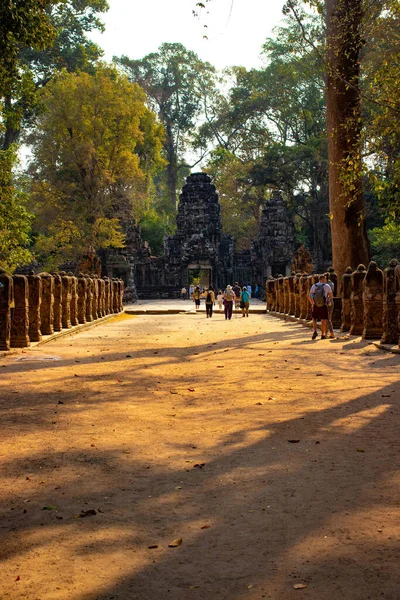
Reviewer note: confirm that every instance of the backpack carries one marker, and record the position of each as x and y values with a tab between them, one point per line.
228	295
245	296
319	295
208	298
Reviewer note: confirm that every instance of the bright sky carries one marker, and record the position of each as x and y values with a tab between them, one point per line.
236	28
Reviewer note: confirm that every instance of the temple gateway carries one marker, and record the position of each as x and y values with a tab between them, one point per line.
200	251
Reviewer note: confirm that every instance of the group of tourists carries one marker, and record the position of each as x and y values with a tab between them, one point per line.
232	297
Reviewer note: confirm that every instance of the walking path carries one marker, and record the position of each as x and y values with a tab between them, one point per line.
181	306
268	460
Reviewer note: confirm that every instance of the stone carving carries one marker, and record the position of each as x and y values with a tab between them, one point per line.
35	301
391	315
6	302
47	304
20	316
357	306
302	261
95	296
270	292
102	286
74	299
107	295
346	300
89	299
66	296
82	298
373	302
303	297
310	283
115	299
292	299
57	302
286	295
296	287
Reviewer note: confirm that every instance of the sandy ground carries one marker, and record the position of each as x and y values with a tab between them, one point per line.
272	458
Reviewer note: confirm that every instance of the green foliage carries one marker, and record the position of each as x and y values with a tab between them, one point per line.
385	243
14	217
154	226
95	148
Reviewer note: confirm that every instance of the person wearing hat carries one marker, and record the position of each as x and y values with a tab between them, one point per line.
229	298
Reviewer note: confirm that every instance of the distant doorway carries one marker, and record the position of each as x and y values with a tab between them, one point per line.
200	276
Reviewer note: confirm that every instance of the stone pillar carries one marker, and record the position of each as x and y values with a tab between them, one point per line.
397	272
57	302
115	295
347	286
297	295
99	299
286	295
373	303
270	293
106	296
102	293
82	286
391	315
310	283
89	298
276	295
6	303
66	297
74	299
35	300
20	316
303	296
281	294
95	297
332	276
357	305
121	295
292	300
47	305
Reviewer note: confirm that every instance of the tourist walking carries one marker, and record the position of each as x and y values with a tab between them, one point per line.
244	301
220	299
320	297
210	301
191	290
183	293
249	290
330	306
236	291
229	298
196	297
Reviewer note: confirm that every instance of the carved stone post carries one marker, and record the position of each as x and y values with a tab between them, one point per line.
347	286
373	303
310	283
121	295
286	297
95	297
303	296
47	305
74	299
35	300
292	300
66	284
106	296
82	298
89	299
390	323
276	295
115	296
281	292
102	292
337	300
397	272
270	293
20	316
357	304
57	302
6	303
297	295
332	276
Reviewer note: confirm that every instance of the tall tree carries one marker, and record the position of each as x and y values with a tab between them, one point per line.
350	245
176	82
95	146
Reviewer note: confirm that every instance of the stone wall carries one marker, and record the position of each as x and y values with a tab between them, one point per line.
36	305
369	304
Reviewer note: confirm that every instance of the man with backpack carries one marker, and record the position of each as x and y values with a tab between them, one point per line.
244	301
210	301
320	297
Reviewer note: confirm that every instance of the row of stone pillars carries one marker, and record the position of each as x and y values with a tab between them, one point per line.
38	305
369	304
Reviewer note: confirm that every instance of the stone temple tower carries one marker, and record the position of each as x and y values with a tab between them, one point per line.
198	250
273	250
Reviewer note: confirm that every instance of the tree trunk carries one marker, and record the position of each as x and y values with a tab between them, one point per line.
172	169
11	124
350	244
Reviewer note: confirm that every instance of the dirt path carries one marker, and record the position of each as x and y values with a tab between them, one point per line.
274	458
